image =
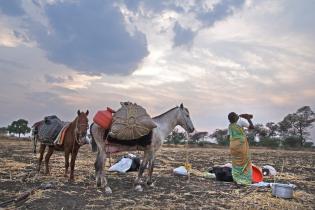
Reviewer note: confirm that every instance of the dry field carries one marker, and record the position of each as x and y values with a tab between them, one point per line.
17	176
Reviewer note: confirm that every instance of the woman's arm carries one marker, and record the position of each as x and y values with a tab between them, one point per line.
251	125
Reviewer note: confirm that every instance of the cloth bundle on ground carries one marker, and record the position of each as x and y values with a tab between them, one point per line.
131	121
49	129
222	173
127	163
269	170
180	171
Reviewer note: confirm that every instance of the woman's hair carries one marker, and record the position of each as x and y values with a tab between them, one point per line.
233	117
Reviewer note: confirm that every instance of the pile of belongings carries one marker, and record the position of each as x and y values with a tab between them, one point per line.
127	163
180	171
131	122
48	129
269	171
222	173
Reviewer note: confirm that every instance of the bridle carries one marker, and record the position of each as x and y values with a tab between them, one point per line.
77	134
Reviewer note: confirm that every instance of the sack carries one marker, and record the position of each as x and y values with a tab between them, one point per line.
131	122
127	163
222	173
49	129
180	171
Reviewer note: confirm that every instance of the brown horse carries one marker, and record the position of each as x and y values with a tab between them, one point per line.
75	137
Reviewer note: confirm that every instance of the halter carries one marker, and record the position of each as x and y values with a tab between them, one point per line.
77	133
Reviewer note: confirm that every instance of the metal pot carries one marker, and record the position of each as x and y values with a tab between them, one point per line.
282	190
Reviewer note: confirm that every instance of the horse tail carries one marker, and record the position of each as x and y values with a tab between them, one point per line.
93	143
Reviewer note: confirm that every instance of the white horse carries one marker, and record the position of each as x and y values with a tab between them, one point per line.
165	122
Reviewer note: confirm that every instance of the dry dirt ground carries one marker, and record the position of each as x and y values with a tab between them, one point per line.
17	176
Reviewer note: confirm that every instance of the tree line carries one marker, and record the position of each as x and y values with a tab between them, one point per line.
17	127
292	131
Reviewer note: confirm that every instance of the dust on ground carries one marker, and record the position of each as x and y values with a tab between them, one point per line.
18	175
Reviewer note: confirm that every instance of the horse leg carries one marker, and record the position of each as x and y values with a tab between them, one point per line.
47	157
72	163
151	166
67	153
34	144
41	155
99	171
143	165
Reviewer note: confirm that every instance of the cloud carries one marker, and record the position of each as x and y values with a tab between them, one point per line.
220	11
11	7
182	36
56	79
89	37
188	17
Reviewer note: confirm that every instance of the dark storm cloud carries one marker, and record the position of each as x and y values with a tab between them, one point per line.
182	36
11	7
90	37
220	11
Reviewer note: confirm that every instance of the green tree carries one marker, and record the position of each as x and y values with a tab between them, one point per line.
269	142
259	131
220	135
273	129
176	137
198	137
291	141
297	125
19	127
3	131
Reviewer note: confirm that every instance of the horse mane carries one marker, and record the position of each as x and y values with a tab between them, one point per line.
161	115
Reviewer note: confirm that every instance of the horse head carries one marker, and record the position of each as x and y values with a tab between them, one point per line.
82	125
184	119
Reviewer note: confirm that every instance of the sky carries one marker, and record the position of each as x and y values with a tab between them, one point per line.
214	56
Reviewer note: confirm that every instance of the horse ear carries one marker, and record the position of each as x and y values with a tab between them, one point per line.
87	112
78	112
181	106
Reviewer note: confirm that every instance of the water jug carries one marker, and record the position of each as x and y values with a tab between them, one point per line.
104	118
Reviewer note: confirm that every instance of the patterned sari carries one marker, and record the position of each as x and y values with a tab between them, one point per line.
239	148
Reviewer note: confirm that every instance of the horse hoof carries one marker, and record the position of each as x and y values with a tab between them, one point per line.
150	184
139	188
108	190
98	183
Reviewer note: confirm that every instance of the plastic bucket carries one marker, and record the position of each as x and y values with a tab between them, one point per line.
257	175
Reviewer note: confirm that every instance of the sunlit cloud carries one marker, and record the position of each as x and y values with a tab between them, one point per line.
215	56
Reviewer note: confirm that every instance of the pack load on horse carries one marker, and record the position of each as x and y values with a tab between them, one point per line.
48	129
150	143
62	136
129	122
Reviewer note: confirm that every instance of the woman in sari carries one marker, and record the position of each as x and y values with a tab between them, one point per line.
239	148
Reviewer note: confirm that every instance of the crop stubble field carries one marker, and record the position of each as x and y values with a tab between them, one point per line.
18	164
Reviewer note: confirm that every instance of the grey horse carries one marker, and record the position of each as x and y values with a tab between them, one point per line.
165	122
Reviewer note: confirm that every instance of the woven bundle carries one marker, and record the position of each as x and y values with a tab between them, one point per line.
130	122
